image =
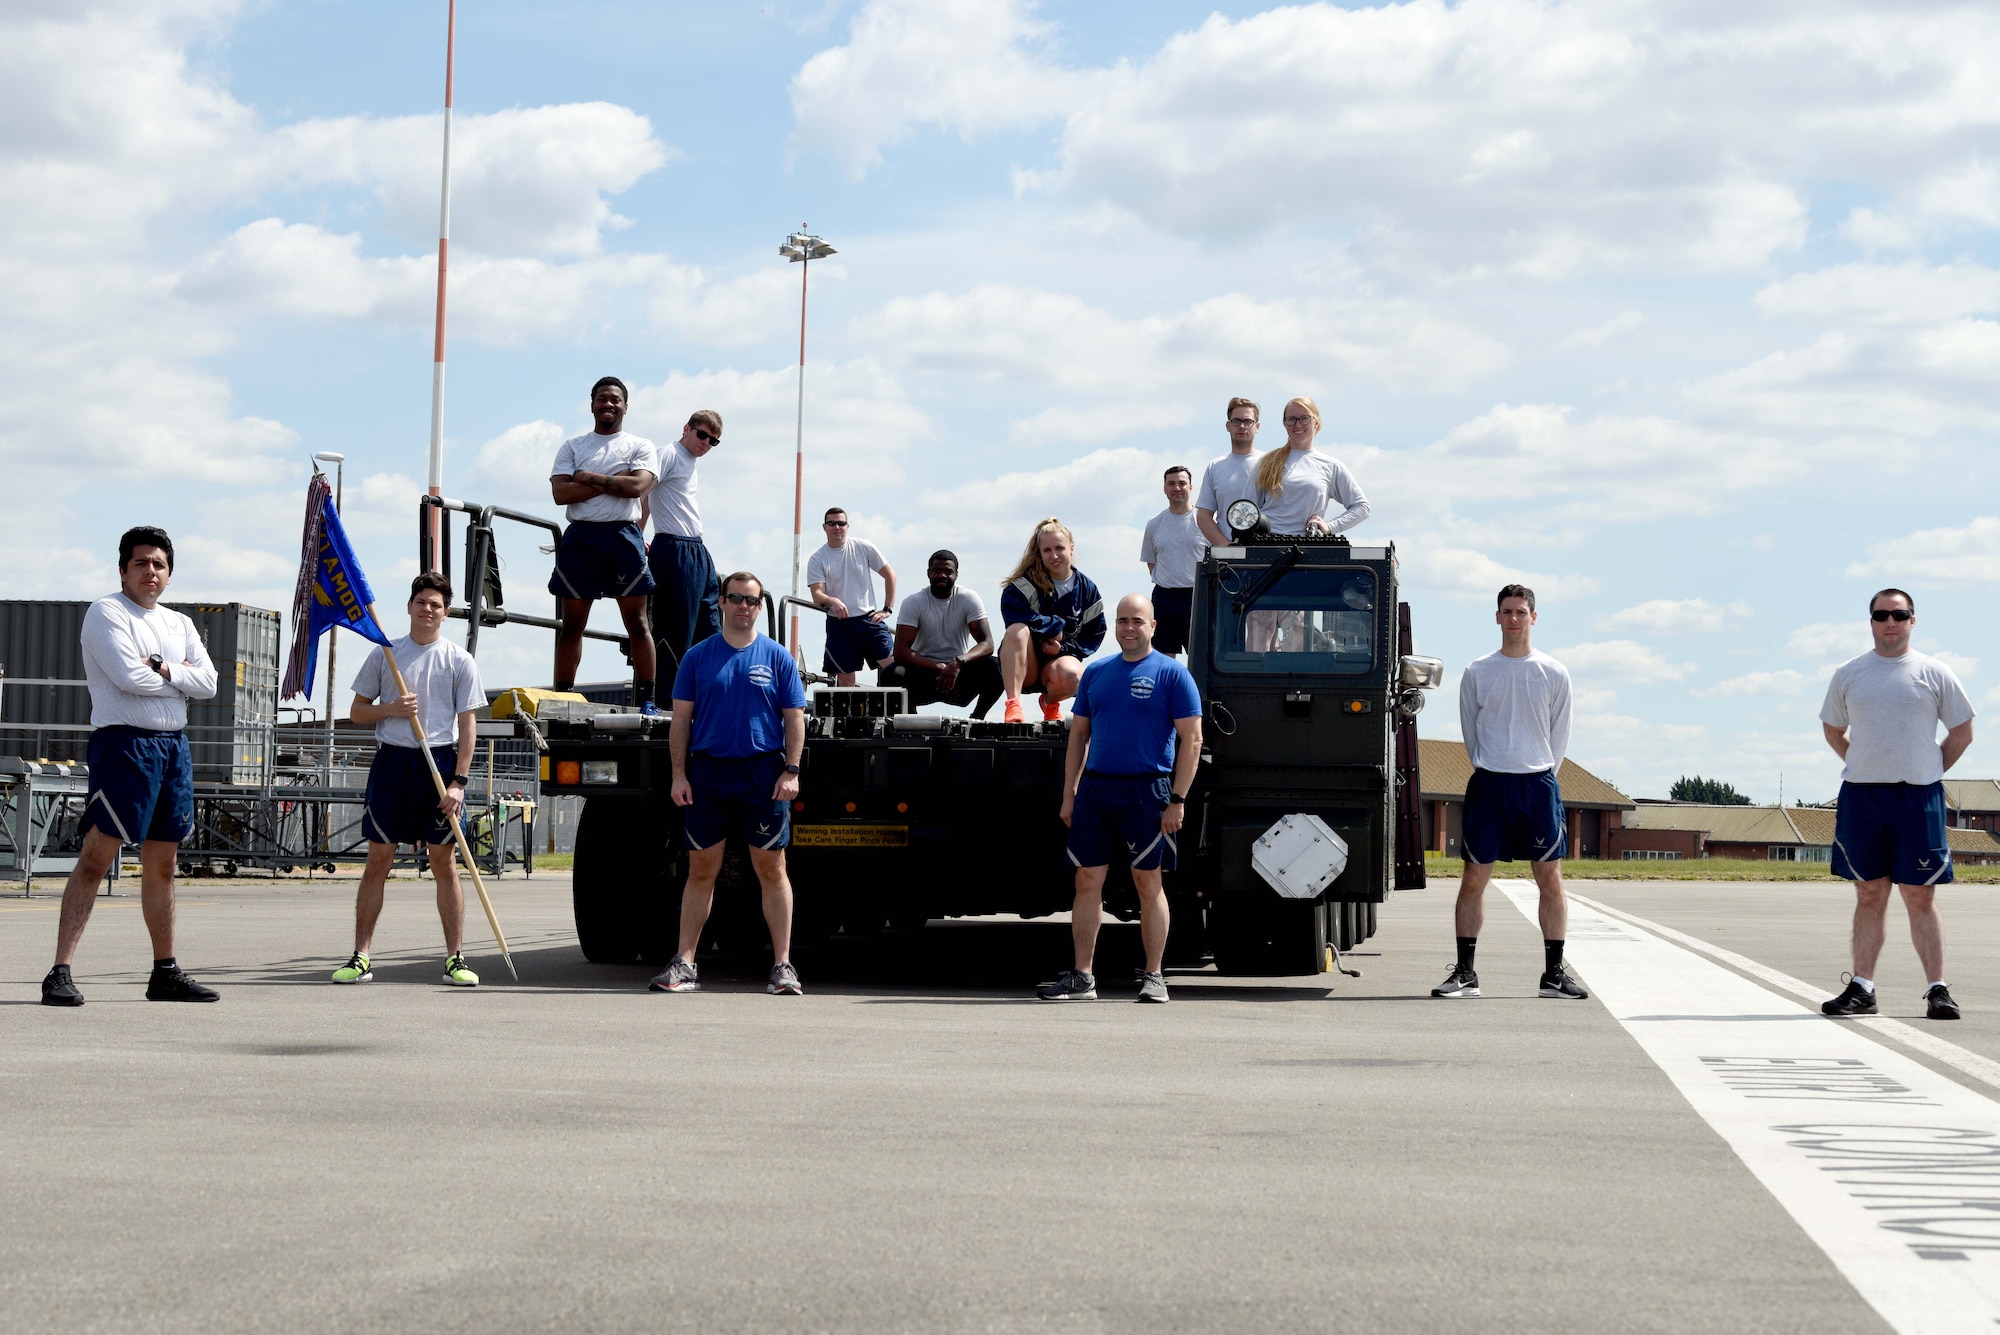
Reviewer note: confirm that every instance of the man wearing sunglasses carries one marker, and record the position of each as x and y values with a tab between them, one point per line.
838	576
1881	718
739	727
685	590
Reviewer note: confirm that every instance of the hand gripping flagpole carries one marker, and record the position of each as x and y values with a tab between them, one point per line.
457	828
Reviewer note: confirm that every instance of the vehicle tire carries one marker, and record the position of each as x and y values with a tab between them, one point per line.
1268	937
1187	934
1345	917
619	881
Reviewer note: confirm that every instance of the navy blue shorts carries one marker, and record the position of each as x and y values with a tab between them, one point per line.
402	800
854	644
1115	809
601	560
1514	818
732	795
1172	610
687	601
141	785
1895	830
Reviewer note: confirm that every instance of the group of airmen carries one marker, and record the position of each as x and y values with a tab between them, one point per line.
737	730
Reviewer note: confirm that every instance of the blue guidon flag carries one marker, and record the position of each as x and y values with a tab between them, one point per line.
332	591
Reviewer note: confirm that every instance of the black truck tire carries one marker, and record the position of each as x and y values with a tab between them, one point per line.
626	882
1264	936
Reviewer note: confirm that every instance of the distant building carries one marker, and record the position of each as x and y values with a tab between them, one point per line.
1973	804
1760	834
1591	806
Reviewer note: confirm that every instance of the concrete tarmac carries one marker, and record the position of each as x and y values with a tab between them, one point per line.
914	1145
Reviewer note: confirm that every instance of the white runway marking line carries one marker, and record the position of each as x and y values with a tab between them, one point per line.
1890	1168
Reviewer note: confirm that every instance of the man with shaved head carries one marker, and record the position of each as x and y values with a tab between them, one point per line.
1125	784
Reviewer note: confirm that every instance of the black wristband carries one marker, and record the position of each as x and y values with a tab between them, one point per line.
462	780
1176	799
791	769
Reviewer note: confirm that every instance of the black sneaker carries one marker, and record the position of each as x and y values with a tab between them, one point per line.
59	989
1459	983
1938	1004
1558	983
1854	999
174	985
1070	985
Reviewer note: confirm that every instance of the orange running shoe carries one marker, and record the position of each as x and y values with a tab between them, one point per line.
1051	710
1012	713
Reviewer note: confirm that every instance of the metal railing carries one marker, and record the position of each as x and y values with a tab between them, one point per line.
484	595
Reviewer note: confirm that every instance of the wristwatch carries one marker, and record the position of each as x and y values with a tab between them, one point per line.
1176	799
155	660
462	780
791	769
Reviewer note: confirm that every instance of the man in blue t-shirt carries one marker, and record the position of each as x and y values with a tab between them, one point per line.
739	725
1129	713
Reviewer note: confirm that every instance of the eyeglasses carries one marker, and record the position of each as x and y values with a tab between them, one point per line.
1892	614
743	599
705	438
836	523
1292	419
1243	421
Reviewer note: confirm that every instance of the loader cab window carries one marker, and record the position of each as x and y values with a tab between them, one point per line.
1318	622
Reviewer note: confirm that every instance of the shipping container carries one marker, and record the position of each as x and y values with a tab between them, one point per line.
39	642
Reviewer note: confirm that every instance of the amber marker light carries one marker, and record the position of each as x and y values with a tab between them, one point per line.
569	771
799	807
850	808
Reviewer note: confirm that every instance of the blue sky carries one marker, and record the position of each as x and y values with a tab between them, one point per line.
1683	314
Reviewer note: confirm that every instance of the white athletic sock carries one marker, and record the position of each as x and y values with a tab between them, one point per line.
1866	986
1929	986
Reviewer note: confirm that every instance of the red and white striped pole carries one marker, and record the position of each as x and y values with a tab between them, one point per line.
434	558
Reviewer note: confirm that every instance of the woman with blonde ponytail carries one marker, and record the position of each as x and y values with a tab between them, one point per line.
1054	620
1296	485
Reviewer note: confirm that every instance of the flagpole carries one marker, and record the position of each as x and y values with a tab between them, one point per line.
434	559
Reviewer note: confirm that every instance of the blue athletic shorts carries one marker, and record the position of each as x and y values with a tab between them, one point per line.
732	795
1114	809
1514	818
1895	830
1172	610
141	785
601	560
402	800
855	644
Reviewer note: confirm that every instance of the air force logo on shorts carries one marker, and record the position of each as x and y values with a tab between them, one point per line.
1142	688
760	673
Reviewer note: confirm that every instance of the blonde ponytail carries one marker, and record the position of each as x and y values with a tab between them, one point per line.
1271	468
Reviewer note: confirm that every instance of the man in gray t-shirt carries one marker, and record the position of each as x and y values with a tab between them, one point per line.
944	650
1881	717
1172	549
402	805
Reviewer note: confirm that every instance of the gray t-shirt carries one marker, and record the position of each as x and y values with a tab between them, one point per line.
1224	482
1314	484
440	674
1891	708
845	570
944	625
1514	713
1173	546
620	452
675	507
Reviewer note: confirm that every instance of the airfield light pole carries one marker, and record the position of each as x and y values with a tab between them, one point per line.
434	554
801	248
339	462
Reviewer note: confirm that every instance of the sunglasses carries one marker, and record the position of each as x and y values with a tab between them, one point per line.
836	523
743	599
705	438
1891	614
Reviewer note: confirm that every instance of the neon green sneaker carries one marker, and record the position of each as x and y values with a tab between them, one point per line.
356	970
457	974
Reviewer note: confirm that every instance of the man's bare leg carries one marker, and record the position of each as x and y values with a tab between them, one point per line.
80	891
697	895
368	899
1469	915
770	867
158	861
1926	929
1087	915
1554	908
450	896
1153	917
569	640
1871	914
